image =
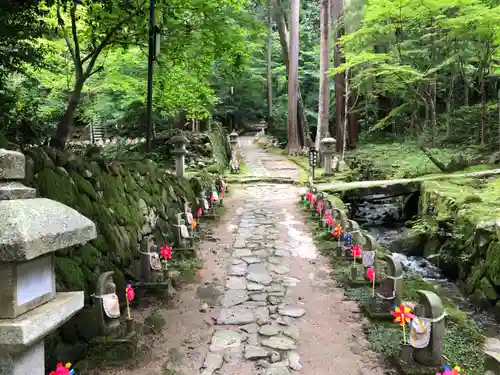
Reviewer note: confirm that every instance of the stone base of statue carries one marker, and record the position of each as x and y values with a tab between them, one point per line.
405	364
377	309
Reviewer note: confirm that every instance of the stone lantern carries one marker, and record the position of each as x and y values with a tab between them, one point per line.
233	139
31	230
179	151
328	149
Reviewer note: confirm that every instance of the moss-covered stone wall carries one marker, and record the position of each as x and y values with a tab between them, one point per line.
127	200
463	221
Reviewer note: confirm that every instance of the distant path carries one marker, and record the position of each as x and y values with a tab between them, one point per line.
264	164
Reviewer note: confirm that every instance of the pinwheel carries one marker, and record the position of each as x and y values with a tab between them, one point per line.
370	274
356	253
403	315
194	224
166	251
63	369
129	296
319	207
337	233
308	196
450	371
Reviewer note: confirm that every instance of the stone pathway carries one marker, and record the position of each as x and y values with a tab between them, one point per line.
264	303
263	164
275	286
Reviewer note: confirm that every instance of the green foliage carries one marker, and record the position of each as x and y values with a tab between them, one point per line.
402	50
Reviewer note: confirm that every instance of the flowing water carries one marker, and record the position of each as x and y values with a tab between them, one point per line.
384	219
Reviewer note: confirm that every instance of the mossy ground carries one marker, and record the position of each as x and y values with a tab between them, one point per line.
463	339
394	160
463	214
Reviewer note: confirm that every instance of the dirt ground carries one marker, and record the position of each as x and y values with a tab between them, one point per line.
328	336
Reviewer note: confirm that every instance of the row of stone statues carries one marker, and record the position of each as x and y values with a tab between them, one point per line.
424	346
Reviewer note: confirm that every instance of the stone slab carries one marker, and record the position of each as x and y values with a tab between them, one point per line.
236	315
15	190
29	362
33	227
19	333
12	165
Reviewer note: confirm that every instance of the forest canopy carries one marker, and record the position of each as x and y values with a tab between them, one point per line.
428	70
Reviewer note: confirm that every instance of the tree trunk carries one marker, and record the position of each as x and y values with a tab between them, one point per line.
64	127
449	107
339	88
279	17
346	116
269	64
324	75
433	111
294	147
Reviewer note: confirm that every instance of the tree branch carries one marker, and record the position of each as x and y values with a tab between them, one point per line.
99	69
92	56
74	32
60	22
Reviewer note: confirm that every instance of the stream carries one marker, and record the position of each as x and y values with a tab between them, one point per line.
384	219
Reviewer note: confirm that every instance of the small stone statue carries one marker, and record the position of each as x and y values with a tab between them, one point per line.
106	304
430	309
150	262
391	289
183	239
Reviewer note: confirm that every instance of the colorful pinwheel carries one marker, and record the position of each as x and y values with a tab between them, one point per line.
450	371
337	231
199	213
313	200
63	369
319	207
194	224
129	297
130	293
166	251
403	315
356	251
370	274
308	196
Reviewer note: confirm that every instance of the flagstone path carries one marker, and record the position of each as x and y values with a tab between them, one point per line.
265	303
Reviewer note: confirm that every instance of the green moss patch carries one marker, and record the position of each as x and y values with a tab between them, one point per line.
394	160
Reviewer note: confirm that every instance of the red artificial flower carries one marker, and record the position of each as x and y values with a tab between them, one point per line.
356	251
166	252
130	293
199	212
313	200
370	274
308	196
337	231
212	198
